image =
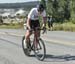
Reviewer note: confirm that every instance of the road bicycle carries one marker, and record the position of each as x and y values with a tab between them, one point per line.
36	44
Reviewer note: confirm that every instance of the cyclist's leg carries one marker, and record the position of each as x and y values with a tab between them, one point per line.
36	40
37	32
37	36
27	35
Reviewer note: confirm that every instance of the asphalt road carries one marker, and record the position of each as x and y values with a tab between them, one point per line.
57	53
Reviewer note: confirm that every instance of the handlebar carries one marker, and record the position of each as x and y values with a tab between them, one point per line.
38	28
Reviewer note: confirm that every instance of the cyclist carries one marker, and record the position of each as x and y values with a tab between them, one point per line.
33	21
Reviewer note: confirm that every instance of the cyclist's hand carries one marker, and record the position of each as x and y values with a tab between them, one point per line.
30	30
44	29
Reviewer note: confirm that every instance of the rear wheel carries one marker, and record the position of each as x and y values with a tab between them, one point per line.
26	50
40	52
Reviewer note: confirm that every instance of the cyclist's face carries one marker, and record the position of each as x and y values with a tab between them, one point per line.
40	12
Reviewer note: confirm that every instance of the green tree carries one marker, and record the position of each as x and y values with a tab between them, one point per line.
44	3
67	10
72	8
60	9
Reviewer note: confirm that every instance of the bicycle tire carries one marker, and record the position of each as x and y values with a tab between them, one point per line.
41	57
25	50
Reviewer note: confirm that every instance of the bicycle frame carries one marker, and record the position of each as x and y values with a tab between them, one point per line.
37	45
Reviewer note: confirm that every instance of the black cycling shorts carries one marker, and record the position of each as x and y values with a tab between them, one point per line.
34	24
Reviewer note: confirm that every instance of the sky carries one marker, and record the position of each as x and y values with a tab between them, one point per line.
14	1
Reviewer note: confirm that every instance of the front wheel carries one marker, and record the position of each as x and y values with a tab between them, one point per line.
40	53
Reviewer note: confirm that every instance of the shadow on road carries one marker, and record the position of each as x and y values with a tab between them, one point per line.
61	58
54	58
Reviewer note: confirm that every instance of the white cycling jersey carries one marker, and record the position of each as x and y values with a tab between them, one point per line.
33	14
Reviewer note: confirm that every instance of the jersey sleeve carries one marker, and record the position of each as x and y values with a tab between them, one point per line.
30	13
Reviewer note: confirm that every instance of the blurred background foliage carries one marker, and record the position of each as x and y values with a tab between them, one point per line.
61	10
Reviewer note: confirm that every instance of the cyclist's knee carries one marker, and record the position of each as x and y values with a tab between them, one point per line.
27	35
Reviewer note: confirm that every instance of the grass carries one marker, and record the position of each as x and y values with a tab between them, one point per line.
67	26
11	26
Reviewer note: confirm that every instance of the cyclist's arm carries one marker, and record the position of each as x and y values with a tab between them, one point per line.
28	23
44	21
44	18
